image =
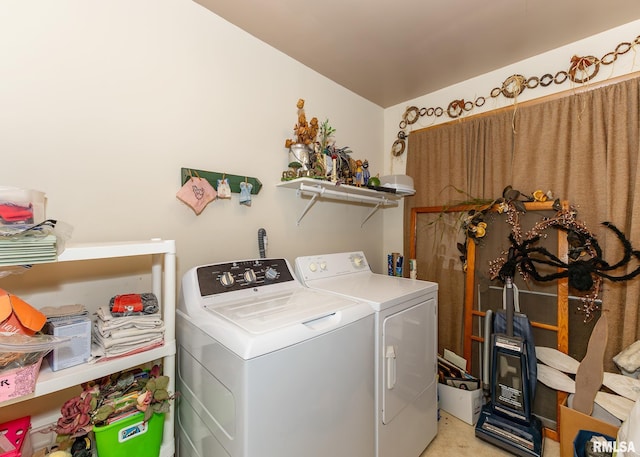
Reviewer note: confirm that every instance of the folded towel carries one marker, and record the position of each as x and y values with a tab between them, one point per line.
64	311
129	323
98	350
98	353
120	350
128	340
127	330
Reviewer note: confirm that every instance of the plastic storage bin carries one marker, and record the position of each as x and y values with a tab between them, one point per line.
15	432
403	184
21	206
17	382
131	436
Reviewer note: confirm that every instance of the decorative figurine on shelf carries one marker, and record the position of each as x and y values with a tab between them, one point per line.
305	132
334	168
320	165
301	147
358	178
365	172
345	170
374	181
293	172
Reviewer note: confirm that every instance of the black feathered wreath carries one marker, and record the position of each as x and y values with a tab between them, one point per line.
585	267
580	272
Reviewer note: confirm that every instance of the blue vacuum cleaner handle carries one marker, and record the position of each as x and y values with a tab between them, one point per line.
509	293
509	299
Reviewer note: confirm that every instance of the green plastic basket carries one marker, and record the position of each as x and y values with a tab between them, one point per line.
131	436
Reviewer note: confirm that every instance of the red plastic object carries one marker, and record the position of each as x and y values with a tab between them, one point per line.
16	432
11	213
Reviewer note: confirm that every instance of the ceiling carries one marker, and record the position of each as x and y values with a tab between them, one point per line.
390	51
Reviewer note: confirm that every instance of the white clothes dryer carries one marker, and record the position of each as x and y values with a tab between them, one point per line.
270	368
406	313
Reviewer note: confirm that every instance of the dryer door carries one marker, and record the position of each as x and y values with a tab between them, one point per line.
408	357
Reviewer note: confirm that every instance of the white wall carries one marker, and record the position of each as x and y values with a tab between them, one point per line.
102	103
550	62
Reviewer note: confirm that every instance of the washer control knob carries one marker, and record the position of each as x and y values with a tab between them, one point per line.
250	276
270	274
313	267
226	279
323	265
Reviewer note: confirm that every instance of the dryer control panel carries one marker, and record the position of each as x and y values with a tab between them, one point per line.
240	275
330	265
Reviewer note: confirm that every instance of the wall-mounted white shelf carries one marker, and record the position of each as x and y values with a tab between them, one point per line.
317	188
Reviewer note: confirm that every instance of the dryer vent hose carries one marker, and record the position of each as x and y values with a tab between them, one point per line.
262	242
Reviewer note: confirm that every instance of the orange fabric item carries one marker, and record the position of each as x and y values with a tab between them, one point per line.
18	316
5	305
127	303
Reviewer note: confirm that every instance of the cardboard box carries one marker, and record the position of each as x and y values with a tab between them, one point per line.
78	349
461	403
572	421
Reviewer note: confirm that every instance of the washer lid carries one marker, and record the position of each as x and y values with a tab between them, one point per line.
380	290
266	314
251	328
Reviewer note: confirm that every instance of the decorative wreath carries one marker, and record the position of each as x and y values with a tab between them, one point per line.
585	267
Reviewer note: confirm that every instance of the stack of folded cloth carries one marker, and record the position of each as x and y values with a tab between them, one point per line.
130	324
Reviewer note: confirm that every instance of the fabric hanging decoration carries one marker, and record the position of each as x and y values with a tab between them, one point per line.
197	193
224	190
245	193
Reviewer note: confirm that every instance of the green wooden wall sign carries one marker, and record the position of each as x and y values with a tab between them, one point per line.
213	176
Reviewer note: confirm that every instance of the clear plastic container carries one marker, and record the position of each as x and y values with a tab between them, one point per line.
403	184
21	206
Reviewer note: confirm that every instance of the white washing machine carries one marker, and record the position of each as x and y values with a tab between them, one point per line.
269	368
406	313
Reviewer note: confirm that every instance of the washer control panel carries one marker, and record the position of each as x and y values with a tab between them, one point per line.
233	276
330	265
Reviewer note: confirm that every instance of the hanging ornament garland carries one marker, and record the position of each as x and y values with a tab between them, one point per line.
581	70
585	267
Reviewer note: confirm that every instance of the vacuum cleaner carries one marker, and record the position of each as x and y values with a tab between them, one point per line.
510	374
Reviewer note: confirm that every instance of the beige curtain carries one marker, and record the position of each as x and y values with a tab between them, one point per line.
583	147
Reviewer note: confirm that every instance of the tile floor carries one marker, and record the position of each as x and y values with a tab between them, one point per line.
457	438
